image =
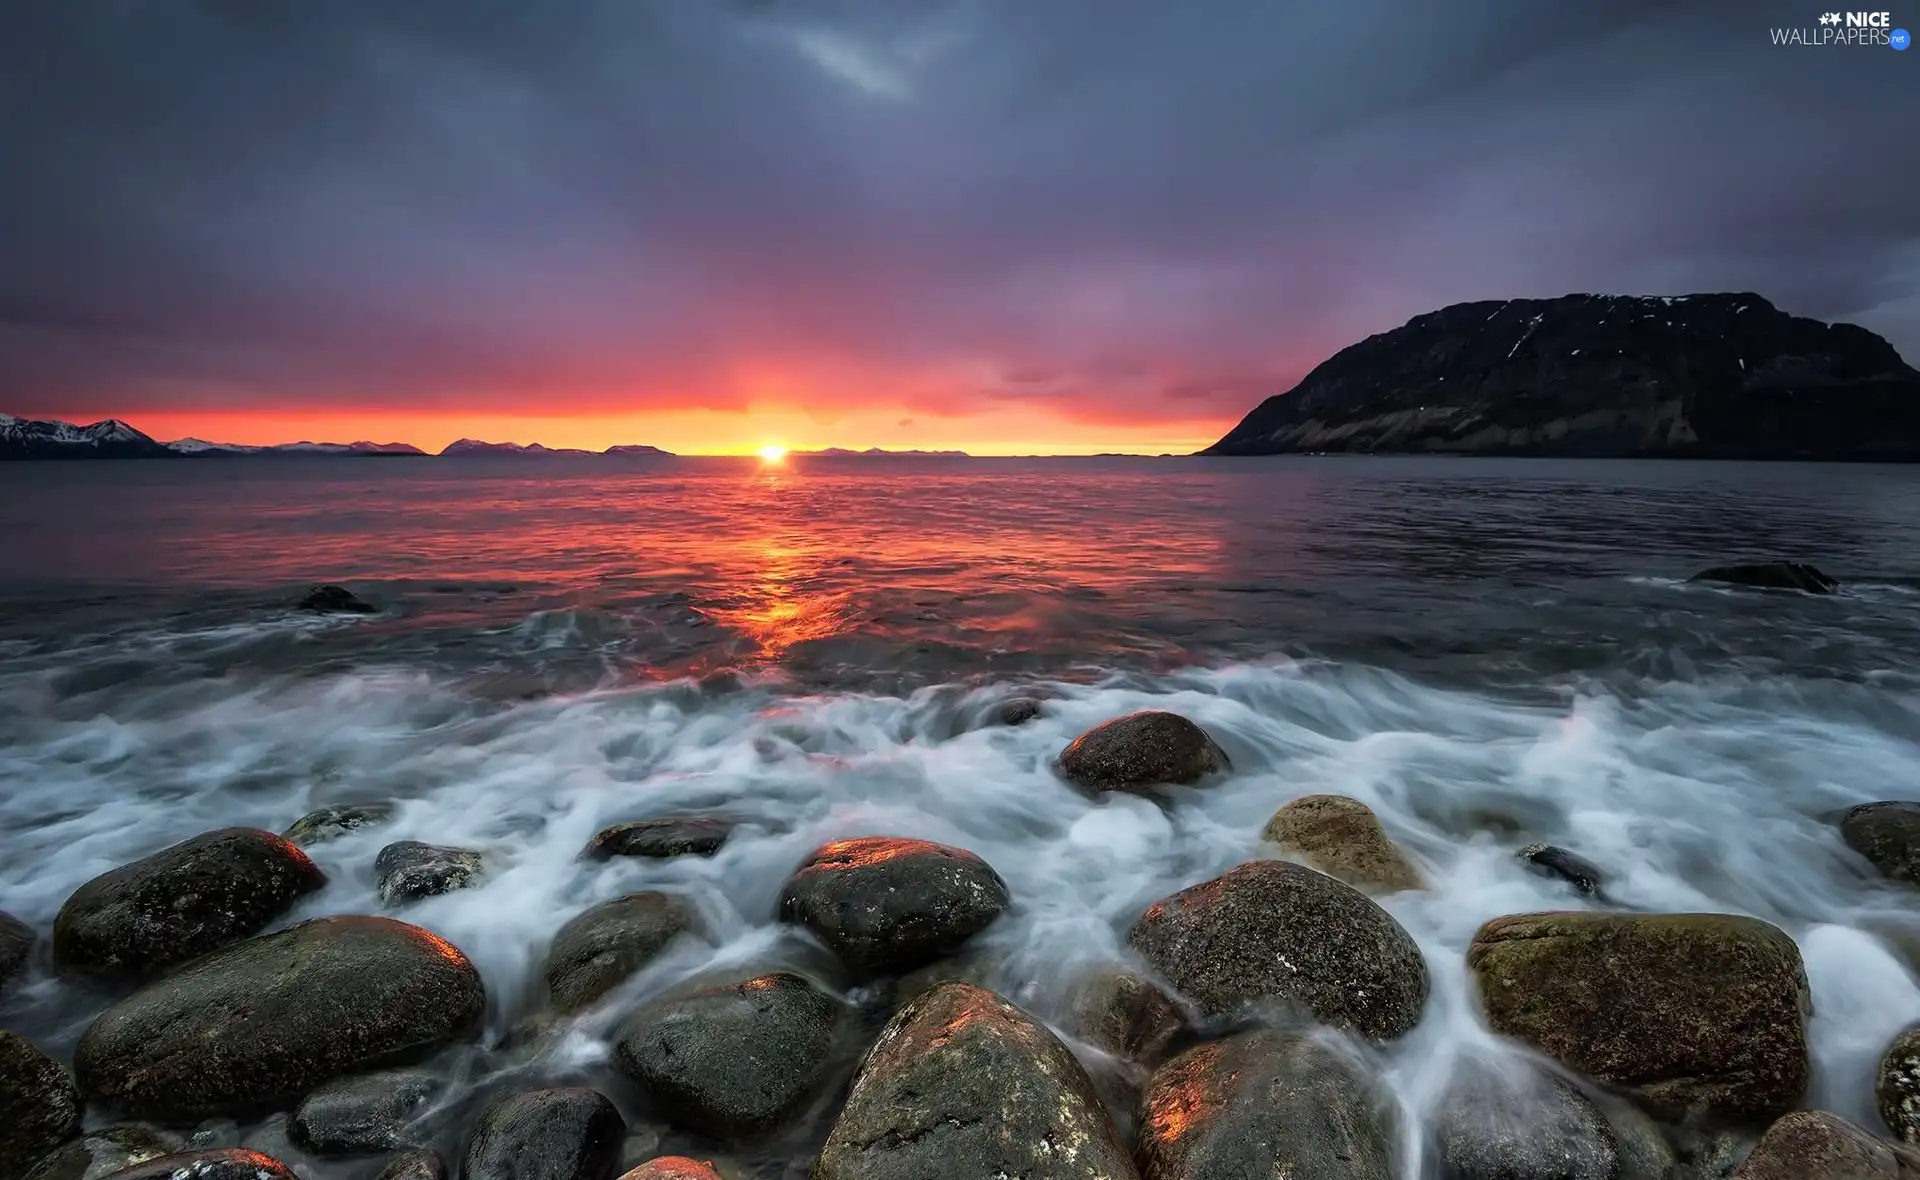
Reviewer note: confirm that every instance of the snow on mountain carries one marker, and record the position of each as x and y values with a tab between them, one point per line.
474	446
200	446
26	438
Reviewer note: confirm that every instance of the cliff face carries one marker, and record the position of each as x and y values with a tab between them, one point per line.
1720	376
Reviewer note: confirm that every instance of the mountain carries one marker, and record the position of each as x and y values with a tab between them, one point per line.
200	448
632	450
473	446
1710	376
876	452
22	438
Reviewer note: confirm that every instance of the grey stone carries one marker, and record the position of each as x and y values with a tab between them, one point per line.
570	1133
662	838
888	905
1518	1123
42	1106
1888	836
213	1163
409	870
16	949
1140	753
603	947
365	1114
106	1151
1815	1145
331	823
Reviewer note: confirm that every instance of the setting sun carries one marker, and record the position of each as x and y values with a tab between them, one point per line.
772	453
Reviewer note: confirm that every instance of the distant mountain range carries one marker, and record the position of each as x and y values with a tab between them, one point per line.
24	438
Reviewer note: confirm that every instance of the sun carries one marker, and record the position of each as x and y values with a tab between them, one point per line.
772	453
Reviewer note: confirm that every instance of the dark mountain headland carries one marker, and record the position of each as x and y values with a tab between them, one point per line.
1603	376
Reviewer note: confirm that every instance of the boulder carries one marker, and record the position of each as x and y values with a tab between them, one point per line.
335	600
888	905
1896	1088
962	1084
16	949
673	1167
106	1151
1266	1103
213	1163
1140	752
1125	1015
1276	933
257	1025
365	1114
1770	575
1815	1145
183	901
1548	860
1888	836
661	839
1645	1153
570	1133
1016	711
42	1107
1519	1123
736	1060
1692	1014
409	870
414	1165
331	823
1343	838
602	948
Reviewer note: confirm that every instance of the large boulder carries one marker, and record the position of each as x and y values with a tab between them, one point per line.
16	949
1770	575
1266	1103
183	901
258	1025
1273	932
1815	1145
963	1084
1896	1088
735	1060
364	1114
1888	836
1343	838
1140	752
571	1133
106	1151
42	1108
602	947
331	823
408	870
1518	1123
888	905
1694	1014
661	839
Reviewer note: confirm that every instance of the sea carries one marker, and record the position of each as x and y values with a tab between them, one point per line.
1487	652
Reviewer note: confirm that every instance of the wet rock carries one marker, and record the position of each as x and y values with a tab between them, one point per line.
336	600
365	1114
1693	1014
409	870
735	1060
1896	1089
1274	932
888	905
414	1165
181	902
258	1025
571	1133
963	1084
41	1106
106	1151
331	823
1124	1014
1016	711
1888	836
1770	575
272	1137
1549	860
661	839
215	1133
213	1163
1266	1103
1645	1153
1815	1145
1343	838
1709	1153
1140	752
674	1167
1493	1124
603	947
16	949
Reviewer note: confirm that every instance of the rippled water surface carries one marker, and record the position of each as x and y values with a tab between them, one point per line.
565	644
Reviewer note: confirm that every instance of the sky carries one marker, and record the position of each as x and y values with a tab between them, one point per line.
1003	226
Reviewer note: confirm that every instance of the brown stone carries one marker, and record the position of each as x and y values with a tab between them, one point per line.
1343	838
1815	1145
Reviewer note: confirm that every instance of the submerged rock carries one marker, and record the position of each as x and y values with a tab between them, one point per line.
1524	1125
1125	1015
674	1167
735	1060
963	1084
364	1114
258	1025
336	600
1896	1087
213	1163
409	870
1276	932
888	905
414	1165
1815	1145
1693	1014
1017	711
106	1151
1549	860
661	839
1770	575
1140	752
1342	838
1268	1104
181	902
1888	836
331	823
16	949
571	1133
603	947
41	1105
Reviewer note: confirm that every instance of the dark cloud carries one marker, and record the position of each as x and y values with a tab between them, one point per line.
1121	208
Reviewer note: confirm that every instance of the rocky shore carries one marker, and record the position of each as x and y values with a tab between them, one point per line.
1239	1035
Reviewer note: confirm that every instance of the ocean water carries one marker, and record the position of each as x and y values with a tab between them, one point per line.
814	647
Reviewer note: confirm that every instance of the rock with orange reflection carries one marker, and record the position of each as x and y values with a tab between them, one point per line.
673	1167
257	1025
1276	933
737	1060
1140	752
888	905
219	1163
602	947
1266	1103
963	1084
